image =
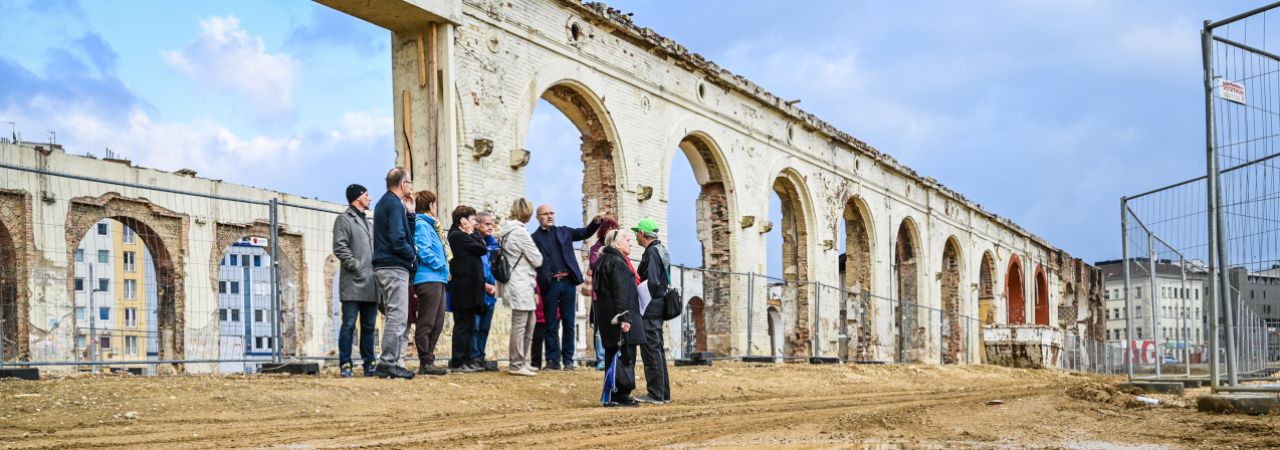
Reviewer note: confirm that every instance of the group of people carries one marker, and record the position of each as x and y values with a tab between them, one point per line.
407	266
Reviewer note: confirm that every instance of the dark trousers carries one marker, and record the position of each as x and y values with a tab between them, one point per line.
368	315
464	328
655	361
625	377
535	354
559	300
481	337
429	322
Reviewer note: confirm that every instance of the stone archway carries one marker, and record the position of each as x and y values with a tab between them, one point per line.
905	262
987	289
15	262
952	327
795	262
1016	303
697	312
164	233
856	279
1042	297
292	273
715	233
600	158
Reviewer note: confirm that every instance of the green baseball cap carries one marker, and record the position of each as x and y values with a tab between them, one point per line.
646	226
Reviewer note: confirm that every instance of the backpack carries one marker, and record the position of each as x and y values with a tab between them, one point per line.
672	301
498	262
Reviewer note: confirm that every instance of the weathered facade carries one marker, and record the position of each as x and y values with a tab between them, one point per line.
466	77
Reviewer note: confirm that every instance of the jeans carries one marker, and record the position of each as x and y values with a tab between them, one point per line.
599	348
654	358
484	318
394	286
560	300
464	324
368	315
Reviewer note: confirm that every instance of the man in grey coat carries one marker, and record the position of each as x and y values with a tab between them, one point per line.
353	246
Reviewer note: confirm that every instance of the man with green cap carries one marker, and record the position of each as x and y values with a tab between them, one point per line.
655	273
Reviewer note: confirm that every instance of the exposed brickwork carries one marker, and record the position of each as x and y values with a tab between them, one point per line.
857	276
599	177
164	232
952	327
1042	297
293	282
987	289
1015	293
795	264
715	232
906	346
16	256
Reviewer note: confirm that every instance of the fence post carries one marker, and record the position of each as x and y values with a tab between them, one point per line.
1185	332
1128	289
1153	264
817	318
751	294
275	281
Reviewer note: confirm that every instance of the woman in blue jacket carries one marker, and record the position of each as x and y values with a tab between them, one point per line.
428	282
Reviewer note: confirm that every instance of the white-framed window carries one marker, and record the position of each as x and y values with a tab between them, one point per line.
235	315
131	345
79	255
104	341
104	313
235	260
258	315
79	284
131	317
82	341
104	284
222	287
235	287
130	261
222	314
80	317
129	236
103	229
131	289
104	256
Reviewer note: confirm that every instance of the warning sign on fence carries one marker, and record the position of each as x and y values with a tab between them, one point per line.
1231	91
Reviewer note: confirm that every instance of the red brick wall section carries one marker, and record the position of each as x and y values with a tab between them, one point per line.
17	254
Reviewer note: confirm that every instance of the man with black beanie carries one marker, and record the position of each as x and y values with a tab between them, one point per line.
353	246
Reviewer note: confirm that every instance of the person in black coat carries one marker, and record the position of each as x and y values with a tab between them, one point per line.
466	286
614	281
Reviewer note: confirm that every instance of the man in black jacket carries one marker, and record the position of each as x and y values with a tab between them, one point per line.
394	258
558	278
655	271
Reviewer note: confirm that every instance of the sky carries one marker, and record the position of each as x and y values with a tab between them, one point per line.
1042	112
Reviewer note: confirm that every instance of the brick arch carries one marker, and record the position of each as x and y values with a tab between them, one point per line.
1015	292
293	280
16	256
1042	296
164	233
796	217
603	166
906	262
697	309
952	327
715	233
858	247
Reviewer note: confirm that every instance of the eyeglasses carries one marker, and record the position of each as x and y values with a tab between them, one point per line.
551	213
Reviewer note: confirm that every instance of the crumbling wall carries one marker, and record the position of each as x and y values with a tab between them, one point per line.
294	326
16	255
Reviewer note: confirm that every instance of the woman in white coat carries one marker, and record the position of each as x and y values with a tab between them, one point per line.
518	293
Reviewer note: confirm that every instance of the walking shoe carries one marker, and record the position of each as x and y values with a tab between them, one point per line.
389	371
650	400
490	366
569	367
600	365
370	370
345	371
624	403
431	369
552	366
466	368
523	371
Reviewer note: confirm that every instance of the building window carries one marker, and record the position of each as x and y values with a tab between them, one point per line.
257	260
1139	331
131	317
235	315
257	315
104	313
222	314
104	256
131	289
1139	293
79	255
222	287
130	262
103	229
80	284
104	342
104	285
235	261
131	344
82	341
129	236
244	261
80	314
257	343
235	287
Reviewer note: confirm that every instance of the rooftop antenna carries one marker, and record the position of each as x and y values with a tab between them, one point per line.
13	131
53	138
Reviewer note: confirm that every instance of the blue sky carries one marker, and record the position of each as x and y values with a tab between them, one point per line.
1042	112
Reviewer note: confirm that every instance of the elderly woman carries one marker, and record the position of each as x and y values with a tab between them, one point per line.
518	292
593	255
614	284
466	288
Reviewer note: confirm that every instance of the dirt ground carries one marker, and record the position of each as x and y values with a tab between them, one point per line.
728	405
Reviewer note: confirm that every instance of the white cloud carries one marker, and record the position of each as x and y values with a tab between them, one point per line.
226	58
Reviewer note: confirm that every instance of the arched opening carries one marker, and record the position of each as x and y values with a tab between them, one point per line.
792	230
1014	293
696	311
952	328
247	314
9	335
1042	297
115	293
905	256
776	343
987	289
855	272
699	232
551	142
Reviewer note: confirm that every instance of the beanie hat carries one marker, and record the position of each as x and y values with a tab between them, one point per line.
355	191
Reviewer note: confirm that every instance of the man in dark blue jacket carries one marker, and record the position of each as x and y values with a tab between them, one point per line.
558	278
394	258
